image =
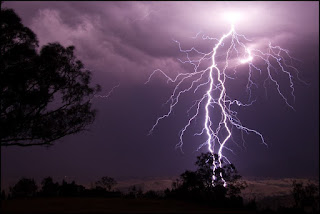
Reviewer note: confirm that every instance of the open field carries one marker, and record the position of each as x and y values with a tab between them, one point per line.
106	205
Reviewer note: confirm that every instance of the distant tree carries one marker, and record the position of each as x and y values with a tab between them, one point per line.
202	177
191	181
24	188
306	195
228	173
199	186
106	182
71	189
44	96
151	194
49	188
97	191
135	192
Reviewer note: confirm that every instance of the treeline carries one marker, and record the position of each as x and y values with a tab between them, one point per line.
26	187
224	191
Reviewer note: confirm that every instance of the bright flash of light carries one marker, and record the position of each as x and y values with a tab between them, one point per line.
248	59
212	80
232	17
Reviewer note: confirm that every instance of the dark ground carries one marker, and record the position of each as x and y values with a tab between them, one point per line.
106	205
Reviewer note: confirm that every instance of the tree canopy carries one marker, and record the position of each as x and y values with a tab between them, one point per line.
106	183
45	93
24	188
198	185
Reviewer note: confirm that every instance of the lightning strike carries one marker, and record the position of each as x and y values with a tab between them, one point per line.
144	16
218	128
106	96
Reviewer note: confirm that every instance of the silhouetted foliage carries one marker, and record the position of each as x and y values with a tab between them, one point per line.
228	171
151	194
190	187
106	182
44	96
306	196
49	188
197	185
134	192
24	188
70	189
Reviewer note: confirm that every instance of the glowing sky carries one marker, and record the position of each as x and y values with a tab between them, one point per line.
123	42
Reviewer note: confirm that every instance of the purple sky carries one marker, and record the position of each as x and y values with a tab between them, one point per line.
123	42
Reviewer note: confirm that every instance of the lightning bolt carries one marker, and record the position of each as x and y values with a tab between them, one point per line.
106	96
213	77
144	16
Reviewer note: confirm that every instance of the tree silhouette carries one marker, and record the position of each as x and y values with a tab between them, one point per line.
106	183
228	171
305	195
70	189
134	192
44	96
24	188
198	185
49	188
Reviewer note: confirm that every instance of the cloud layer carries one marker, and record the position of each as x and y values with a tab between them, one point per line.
136	37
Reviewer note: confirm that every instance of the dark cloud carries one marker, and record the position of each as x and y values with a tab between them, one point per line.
120	35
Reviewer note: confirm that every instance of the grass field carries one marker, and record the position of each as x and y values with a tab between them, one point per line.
105	205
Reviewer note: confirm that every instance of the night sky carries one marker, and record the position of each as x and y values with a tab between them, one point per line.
124	42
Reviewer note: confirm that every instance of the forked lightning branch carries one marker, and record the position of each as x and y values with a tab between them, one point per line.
211	79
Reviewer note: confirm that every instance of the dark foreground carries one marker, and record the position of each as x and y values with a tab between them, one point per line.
106	205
